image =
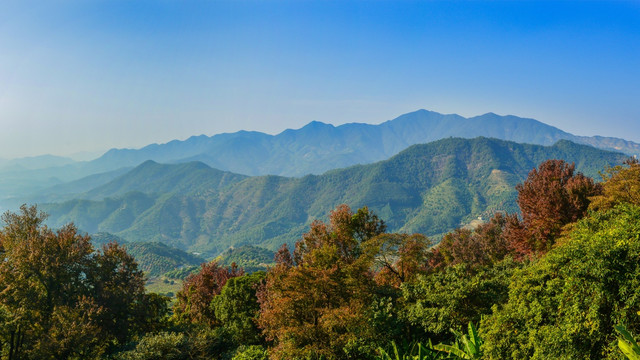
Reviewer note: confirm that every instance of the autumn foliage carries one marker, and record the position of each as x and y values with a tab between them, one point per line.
198	290
348	288
313	304
552	196
61	299
621	185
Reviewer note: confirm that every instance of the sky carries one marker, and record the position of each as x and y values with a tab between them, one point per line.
78	76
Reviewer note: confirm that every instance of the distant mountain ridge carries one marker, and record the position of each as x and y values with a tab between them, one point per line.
34	163
312	149
319	147
429	188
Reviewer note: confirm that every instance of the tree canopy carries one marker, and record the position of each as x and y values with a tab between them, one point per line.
60	299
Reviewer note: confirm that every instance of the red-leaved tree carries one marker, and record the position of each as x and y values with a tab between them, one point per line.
552	196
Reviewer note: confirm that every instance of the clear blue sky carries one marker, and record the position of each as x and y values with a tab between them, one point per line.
91	75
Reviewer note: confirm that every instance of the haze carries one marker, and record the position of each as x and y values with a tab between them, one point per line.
91	75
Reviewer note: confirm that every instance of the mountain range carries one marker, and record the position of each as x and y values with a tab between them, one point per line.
313	149
428	188
319	147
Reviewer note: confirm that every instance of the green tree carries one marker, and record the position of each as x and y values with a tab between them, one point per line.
236	307
161	346
455	296
251	352
564	306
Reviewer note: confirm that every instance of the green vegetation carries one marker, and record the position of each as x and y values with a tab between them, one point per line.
156	258
250	258
553	282
565	305
60	299
181	273
430	189
627	343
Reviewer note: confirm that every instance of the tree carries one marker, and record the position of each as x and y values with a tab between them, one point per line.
621	185
551	197
161	346
118	289
315	304
453	297
59	297
484	246
398	257
199	289
236	307
565	305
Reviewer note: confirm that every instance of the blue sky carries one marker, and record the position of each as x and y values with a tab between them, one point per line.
91	75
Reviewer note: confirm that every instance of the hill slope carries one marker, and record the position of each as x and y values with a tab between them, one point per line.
429	188
153	258
156	258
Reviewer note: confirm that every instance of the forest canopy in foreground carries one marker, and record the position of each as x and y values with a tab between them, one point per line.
551	283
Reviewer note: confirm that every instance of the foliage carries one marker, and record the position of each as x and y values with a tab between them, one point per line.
621	185
564	305
350	290
251	352
161	346
416	352
627	344
62	300
484	246
455	296
466	346
398	257
565	200
236	308
199	289
317	306
197	343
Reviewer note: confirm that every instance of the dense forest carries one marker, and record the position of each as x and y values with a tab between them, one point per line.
558	279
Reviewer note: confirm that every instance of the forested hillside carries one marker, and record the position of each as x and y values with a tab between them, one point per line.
153	258
156	259
430	188
557	281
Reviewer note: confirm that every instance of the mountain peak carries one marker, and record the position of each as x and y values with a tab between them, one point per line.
317	125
